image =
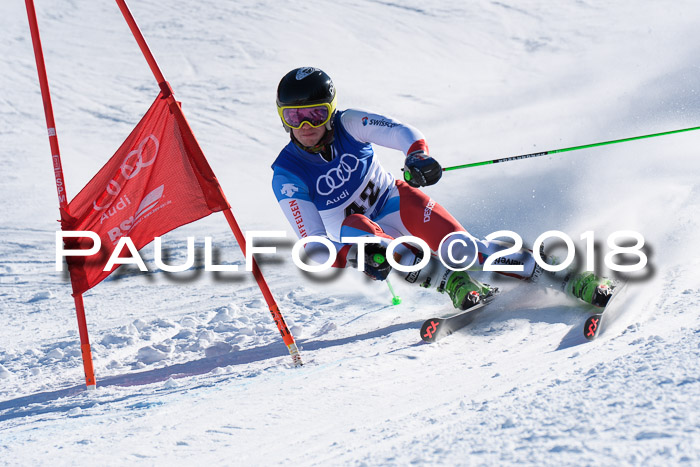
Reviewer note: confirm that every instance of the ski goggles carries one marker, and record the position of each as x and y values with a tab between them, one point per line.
294	116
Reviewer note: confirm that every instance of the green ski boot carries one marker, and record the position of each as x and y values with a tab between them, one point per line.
464	291
590	288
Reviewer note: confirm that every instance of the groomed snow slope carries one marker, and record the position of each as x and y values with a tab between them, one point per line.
190	366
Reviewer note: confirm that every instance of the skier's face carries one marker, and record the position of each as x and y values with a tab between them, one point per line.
307	135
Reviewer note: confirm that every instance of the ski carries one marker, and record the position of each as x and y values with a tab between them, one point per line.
592	326
434	329
595	322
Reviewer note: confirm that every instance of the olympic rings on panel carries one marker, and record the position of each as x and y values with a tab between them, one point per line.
143	156
139	153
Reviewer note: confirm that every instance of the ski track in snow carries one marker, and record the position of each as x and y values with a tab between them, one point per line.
190	366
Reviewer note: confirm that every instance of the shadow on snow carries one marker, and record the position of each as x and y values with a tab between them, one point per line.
44	402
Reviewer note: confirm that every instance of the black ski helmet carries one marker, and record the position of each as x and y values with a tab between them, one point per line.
306	86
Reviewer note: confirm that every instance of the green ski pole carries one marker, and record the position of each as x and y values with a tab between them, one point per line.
395	299
573	148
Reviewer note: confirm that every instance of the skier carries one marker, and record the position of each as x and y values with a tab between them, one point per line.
329	184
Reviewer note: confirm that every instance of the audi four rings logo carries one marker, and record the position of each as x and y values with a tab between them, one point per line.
337	176
143	156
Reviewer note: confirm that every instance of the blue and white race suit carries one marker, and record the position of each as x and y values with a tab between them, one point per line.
353	195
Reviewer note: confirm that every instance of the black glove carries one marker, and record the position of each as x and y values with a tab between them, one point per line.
421	170
376	265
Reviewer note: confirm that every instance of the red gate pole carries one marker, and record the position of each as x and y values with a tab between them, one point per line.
240	238
60	184
271	303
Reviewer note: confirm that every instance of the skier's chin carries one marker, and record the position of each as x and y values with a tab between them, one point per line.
309	136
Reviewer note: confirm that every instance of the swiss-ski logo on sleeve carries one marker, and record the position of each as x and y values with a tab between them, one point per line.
375	122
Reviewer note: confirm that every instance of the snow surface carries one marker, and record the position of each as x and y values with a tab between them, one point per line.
190	366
